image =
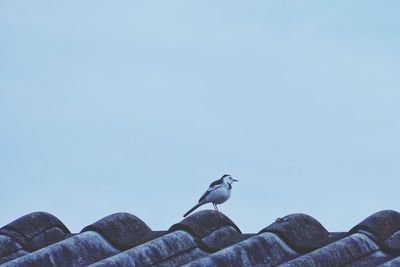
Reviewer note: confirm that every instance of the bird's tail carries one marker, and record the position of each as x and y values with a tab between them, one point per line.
192	209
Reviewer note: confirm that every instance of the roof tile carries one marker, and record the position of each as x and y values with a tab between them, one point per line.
338	253
36	230
156	251
265	249
202	223
381	224
302	232
206	238
122	230
79	250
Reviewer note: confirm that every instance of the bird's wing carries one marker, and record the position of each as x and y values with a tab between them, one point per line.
213	186
216	182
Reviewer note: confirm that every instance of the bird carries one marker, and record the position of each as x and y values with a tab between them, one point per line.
218	192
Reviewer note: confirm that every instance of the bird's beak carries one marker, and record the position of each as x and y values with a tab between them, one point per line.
235	180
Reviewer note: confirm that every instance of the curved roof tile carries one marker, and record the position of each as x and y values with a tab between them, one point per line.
338	253
202	223
373	259
302	232
381	224
205	238
392	243
79	250
9	249
176	247
391	263
212	230
265	249
221	238
36	230
122	230
8	246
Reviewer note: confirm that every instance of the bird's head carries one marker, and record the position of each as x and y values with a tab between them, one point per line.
228	179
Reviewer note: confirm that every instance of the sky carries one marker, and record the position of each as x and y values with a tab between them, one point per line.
137	106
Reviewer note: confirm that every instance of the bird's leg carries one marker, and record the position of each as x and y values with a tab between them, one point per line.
219	213
215	206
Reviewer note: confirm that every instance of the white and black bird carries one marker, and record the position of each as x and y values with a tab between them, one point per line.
218	192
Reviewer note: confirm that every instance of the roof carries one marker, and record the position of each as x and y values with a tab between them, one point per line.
206	238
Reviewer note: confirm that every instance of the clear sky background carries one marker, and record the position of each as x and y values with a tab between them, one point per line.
110	106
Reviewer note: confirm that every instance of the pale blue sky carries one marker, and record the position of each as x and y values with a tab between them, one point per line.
109	106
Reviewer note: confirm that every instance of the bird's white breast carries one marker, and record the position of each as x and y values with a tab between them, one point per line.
219	195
